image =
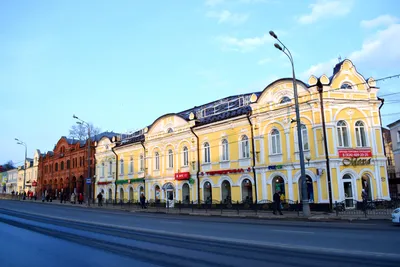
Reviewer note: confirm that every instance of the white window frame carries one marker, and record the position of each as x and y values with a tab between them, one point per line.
156	161
121	166
359	131
275	142
225	150
170	158
109	168
185	158
342	132
131	169
102	169
206	153
141	163
244	147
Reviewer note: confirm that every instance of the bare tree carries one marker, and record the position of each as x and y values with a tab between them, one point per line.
9	165
80	131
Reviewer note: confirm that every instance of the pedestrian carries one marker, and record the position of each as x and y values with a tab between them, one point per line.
143	201
364	197
61	197
80	198
100	199
277	203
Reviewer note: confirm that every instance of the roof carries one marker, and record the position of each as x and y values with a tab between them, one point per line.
393	123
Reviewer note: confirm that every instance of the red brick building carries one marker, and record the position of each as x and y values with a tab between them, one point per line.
65	168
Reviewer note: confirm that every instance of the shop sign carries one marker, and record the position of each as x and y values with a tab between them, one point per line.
103	183
355	153
275	167
224	172
182	176
356	161
34	183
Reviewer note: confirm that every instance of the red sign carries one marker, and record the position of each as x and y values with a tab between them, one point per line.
34	183
103	183
355	153
182	176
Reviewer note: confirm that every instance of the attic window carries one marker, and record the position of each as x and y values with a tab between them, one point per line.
170	130
346	86
285	99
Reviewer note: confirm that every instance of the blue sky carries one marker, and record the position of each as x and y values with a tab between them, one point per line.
122	64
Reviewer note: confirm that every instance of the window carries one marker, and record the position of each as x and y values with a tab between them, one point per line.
206	153
225	150
346	86
304	137
102	170
121	166
157	161
109	168
185	156
285	99
360	134
275	142
62	165
56	167
398	136
342	134
170	159
141	166
131	165
244	147
170	130
68	164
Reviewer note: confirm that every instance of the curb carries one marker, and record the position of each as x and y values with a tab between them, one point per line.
259	217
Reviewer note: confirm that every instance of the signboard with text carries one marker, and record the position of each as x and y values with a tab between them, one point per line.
355	153
182	176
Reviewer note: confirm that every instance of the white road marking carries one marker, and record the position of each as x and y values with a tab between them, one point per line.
294	232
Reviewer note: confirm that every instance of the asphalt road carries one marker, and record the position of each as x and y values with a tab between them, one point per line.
112	238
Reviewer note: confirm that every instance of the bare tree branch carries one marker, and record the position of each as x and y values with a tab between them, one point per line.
80	131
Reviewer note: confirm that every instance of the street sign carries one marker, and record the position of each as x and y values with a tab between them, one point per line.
88	180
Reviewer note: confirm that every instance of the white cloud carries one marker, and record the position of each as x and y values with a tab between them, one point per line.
264	61
326	9
245	44
379	51
383	20
226	16
212	3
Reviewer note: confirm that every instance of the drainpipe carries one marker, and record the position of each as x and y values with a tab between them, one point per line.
254	155
380	121
144	167
198	165
328	168
116	173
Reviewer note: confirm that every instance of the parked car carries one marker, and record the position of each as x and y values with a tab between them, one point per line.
396	216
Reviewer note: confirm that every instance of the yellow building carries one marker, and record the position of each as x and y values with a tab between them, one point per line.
244	148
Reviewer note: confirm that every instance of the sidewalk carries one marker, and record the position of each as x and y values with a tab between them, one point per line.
250	214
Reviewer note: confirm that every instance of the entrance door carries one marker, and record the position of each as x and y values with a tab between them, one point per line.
348	194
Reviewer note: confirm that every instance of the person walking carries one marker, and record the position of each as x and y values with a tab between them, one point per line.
143	201
100	199
277	203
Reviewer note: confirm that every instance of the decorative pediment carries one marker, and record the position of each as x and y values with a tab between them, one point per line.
281	91
167	124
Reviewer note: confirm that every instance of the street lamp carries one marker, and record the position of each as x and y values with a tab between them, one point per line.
82	122
19	142
306	206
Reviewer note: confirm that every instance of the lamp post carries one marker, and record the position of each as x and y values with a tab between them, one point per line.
82	122
306	205
19	142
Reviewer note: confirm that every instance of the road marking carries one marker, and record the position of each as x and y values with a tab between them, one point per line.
294	232
170	222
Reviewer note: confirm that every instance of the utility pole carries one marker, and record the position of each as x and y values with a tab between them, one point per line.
19	142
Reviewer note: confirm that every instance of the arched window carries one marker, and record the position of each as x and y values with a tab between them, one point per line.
225	150
285	99
141	166
342	133
131	165
170	130
121	166
68	164
360	134
185	156
56	167
170	159
62	165
110	168
244	147
102	169
346	86
275	142
206	156
157	161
